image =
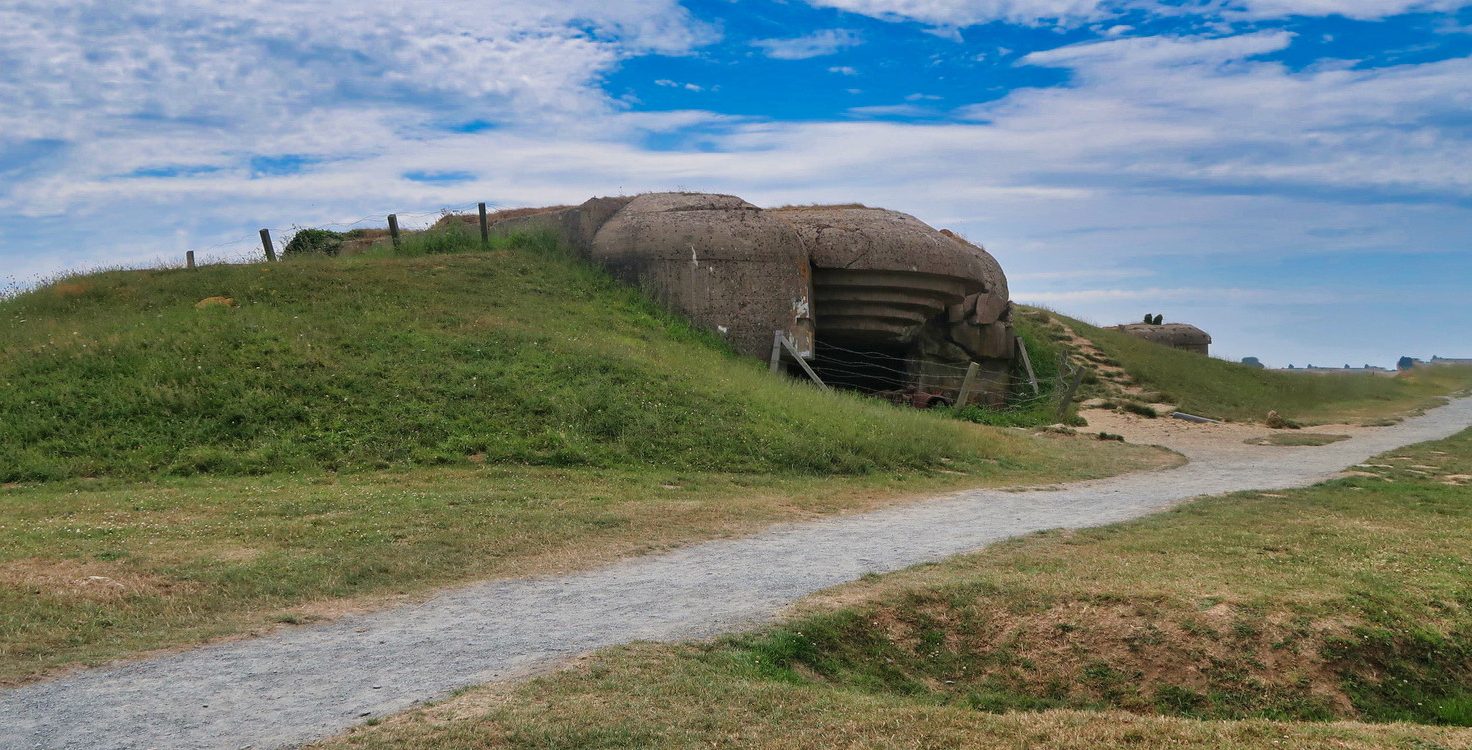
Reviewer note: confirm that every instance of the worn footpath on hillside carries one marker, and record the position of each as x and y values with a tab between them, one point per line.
306	683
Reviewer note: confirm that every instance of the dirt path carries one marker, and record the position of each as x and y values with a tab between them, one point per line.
306	683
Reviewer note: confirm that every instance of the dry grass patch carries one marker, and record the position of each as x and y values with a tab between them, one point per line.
87	581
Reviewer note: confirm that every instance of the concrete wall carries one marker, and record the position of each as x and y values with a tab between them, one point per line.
857	277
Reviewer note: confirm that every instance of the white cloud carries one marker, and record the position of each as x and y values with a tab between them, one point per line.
92	70
1155	146
843	70
1359	9
1176	294
1202	111
891	110
1076	274
817	44
947	15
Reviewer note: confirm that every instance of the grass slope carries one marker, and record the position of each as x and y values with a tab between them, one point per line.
1227	390
1344	601
524	355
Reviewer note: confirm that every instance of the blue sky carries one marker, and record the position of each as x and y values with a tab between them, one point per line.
1291	175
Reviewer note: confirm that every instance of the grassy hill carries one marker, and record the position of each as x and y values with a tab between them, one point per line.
1228	390
524	355
353	430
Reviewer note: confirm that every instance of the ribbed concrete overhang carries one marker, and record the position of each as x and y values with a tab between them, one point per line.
882	305
879	275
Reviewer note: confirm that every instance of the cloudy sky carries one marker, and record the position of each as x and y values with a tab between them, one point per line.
1293	175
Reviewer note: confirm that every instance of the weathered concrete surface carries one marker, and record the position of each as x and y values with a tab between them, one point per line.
309	682
858	238
722	262
1175	335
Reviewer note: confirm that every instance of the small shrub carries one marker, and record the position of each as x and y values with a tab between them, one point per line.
1135	407
1179	701
314	242
1277	421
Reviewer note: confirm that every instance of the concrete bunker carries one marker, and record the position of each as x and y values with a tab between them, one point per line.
1174	335
874	300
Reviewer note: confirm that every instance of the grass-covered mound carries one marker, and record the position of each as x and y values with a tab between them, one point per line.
519	355
537	417
1222	623
1228	390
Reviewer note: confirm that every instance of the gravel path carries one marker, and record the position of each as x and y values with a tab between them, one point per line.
310	682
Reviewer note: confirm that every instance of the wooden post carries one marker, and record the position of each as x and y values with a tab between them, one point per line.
1078	377
800	361
189	259
777	339
485	228
393	229
266	243
967	385
1027	363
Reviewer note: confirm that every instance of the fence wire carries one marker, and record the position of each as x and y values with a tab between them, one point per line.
282	236
874	373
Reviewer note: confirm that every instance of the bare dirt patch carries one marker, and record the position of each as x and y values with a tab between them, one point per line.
1198	439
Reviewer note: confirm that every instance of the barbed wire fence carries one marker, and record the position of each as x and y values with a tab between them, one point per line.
927	382
273	241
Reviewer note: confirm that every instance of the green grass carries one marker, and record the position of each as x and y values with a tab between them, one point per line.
1224	623
523	355
357	429
1228	390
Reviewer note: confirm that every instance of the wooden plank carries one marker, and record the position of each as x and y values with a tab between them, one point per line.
266	243
1078	377
393	229
1032	377
485	228
777	339
968	384
800	361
